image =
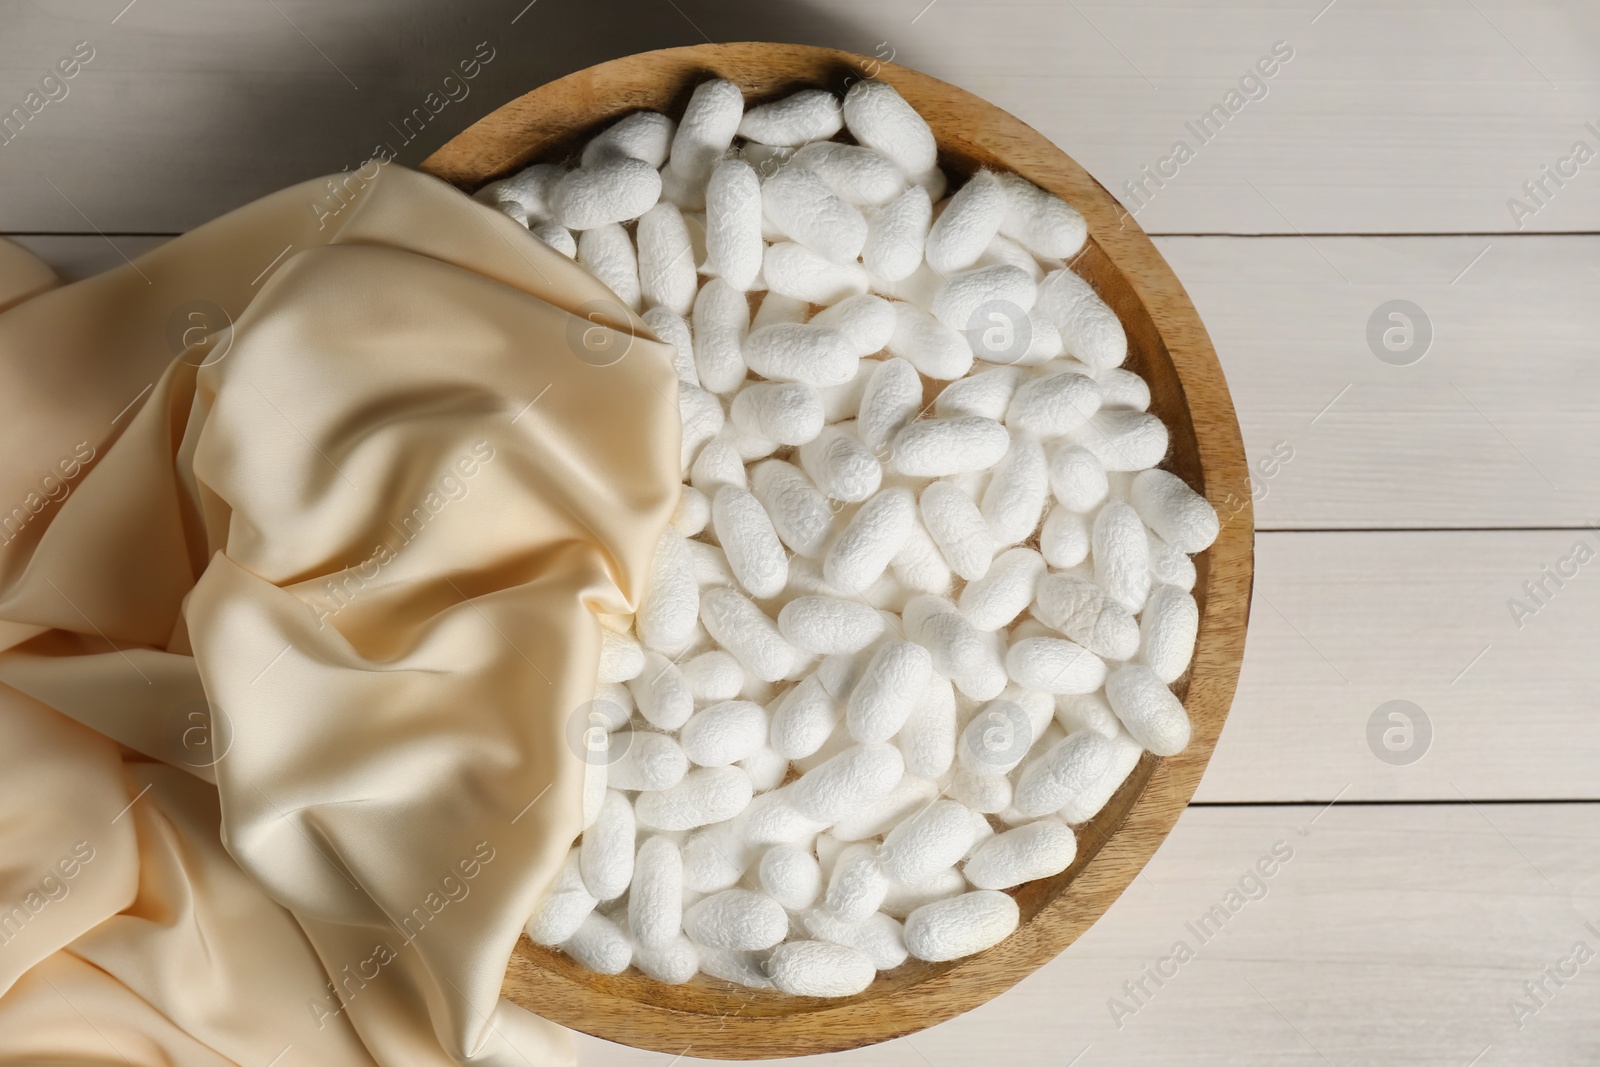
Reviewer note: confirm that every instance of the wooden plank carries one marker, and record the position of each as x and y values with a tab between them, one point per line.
1343	623
1425	116
1493	427
1390	935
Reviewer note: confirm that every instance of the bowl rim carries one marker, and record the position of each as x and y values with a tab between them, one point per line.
721	1020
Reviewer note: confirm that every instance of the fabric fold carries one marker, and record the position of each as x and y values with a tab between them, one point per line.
312	529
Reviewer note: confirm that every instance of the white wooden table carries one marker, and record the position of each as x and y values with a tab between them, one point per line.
1419	499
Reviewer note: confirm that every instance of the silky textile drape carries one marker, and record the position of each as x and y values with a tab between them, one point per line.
305	519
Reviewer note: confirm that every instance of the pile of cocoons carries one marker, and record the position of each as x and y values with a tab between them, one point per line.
925	593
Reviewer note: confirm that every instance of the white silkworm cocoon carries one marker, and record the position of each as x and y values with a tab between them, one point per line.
799	203
1169	625
1125	755
842	402
879	937
803	719
646	760
666	262
606	851
789	413
1004	591
670	607
986	793
1085	613
1014	499
717	465
791	876
1044	224
713	676
819	969
864	549
848	782
879	117
1064	537
724	733
755	554
709	564
1003	251
772	820
969	658
902	900
645	135
704	133
673	963
825	625
934	448
867	321
1123	440
1090	330
840	465
714	859
911	795
959	926
934	838
530	188
706	796
1122	555
1153	716
800	352
919	566
1179	515
673	330
892	398
928	344
928	739
600	945
702	417
1170	566
1121	388
808	115
745	630
738	919
1053	404
607	252
967	224
958	528
799	513
896	234
857	175
957	302
721	323
1037	850
766	768
733	224
1054	666
794	270
655	901
610	191
1061	773
556	236
565	905
986	394
621	657
856	884
888	692
1078	478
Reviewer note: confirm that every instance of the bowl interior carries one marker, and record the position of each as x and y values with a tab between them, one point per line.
1167	347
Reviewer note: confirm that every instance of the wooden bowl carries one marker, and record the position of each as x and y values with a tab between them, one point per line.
1166	345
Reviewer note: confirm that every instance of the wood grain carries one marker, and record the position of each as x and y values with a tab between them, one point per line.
1168	346
1408	116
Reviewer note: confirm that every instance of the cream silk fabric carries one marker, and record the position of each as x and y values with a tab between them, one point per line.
371	523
